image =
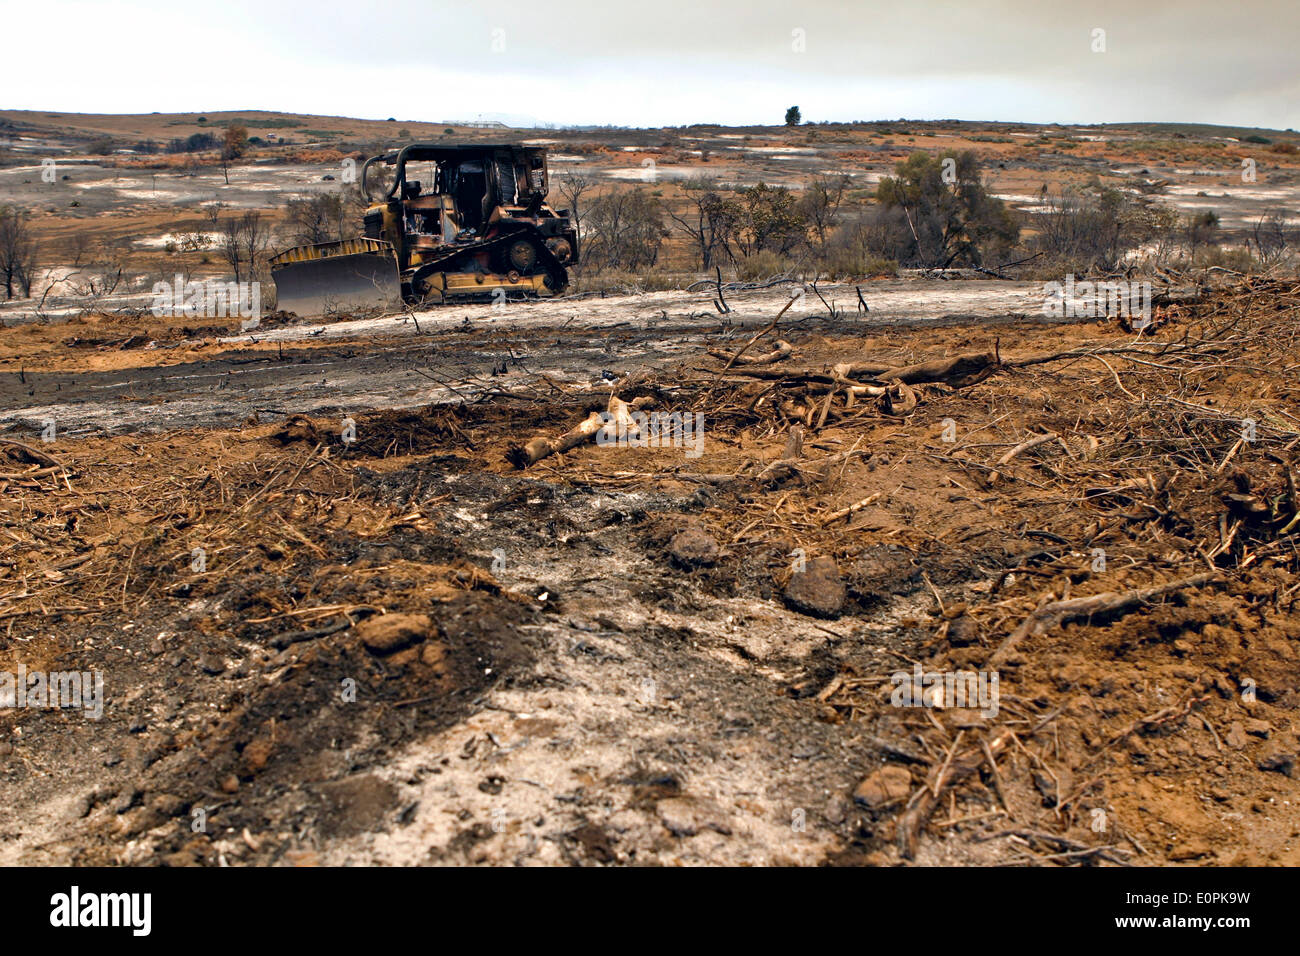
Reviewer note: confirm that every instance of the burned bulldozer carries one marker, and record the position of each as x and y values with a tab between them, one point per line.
480	230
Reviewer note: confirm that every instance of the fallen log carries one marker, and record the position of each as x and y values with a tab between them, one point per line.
34	455
618	413
1109	602
957	372
899	399
32	475
790	376
782	351
788	462
1020	449
748	345
851	509
858	391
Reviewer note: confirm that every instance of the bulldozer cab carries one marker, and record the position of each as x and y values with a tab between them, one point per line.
477	178
469	191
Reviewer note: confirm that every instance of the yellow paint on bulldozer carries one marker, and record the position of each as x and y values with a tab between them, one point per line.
484	283
337	278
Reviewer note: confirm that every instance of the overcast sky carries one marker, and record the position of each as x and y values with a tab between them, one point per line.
670	62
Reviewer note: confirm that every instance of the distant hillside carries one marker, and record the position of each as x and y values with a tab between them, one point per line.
71	130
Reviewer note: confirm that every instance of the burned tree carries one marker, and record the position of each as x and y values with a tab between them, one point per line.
819	205
18	252
1271	235
626	229
243	243
572	188
710	221
323	218
233	146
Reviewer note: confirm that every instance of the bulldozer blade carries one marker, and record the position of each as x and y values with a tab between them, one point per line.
337	286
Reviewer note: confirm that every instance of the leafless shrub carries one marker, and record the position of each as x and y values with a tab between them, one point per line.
325	217
244	241
1271	236
625	230
1085	229
709	221
572	187
819	206
18	252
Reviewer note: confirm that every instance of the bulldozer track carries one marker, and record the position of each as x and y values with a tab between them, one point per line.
557	275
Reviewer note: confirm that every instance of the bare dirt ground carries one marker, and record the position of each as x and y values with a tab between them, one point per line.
99	372
423	647
407	649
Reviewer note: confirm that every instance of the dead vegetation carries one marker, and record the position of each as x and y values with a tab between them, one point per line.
1110	525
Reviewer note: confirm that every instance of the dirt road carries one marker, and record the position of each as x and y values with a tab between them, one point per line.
405	361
